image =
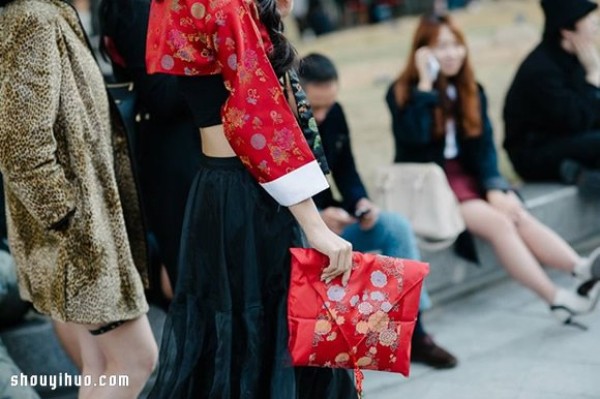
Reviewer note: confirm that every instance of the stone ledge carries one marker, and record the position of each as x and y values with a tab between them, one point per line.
36	350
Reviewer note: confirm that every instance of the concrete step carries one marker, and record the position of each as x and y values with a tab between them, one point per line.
35	349
559	207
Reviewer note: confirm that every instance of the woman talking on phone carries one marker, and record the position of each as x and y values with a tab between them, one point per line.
439	115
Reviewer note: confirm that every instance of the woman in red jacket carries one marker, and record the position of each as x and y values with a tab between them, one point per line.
226	334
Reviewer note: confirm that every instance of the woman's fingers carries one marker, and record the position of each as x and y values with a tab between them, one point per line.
346	277
346	264
340	261
328	272
335	260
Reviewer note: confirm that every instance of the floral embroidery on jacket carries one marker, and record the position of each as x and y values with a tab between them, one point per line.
207	37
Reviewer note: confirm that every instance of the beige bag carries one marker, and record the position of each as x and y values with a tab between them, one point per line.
421	193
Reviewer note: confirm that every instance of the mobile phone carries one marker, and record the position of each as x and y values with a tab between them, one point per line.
361	213
433	68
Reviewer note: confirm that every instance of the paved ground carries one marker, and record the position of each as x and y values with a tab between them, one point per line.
509	347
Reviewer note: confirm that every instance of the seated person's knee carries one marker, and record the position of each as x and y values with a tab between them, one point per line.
500	225
395	223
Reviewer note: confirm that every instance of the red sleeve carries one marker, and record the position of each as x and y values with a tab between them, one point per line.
225	36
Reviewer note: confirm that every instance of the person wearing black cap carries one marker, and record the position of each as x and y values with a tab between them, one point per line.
552	109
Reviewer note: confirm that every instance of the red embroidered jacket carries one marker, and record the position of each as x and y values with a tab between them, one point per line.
203	37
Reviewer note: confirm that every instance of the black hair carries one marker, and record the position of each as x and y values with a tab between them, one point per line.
283	56
317	68
4	2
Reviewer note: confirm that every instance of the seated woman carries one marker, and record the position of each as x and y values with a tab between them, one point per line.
440	115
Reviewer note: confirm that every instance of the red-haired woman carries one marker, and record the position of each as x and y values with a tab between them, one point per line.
440	115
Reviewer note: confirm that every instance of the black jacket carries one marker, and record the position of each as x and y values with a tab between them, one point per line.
168	142
549	98
412	126
338	152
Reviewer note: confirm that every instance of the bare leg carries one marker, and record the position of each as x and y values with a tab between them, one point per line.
491	225
547	246
92	358
130	350
69	338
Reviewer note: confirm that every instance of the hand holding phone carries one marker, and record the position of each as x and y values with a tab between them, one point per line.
433	67
428	67
361	213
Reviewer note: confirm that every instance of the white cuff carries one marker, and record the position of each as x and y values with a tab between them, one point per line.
297	185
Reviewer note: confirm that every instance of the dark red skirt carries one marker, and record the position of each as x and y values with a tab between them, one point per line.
464	185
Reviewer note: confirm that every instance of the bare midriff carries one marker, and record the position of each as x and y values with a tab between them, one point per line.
214	143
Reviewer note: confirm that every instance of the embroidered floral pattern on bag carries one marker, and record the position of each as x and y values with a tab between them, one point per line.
367	324
368	315
206	37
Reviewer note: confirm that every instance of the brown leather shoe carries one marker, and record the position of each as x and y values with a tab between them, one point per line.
426	351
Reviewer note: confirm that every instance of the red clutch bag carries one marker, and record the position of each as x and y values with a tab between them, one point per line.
366	325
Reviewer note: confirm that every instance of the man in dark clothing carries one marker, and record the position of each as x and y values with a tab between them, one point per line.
169	149
356	218
552	110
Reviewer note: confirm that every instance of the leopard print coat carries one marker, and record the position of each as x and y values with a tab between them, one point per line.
62	151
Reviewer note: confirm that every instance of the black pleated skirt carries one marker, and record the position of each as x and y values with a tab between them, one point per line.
226	332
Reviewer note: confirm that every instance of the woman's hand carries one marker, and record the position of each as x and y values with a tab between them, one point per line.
321	238
336	248
507	203
587	54
422	59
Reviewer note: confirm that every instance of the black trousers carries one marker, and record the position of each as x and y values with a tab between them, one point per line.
169	159
540	158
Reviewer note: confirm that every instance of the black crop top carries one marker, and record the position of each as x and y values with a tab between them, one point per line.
205	95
